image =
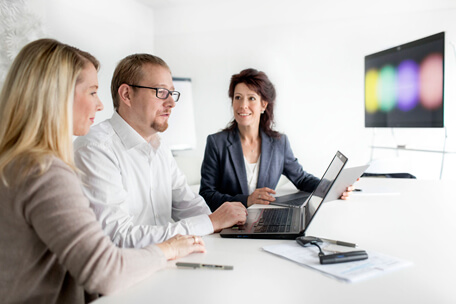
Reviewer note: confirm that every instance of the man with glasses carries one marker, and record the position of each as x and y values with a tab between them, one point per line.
131	179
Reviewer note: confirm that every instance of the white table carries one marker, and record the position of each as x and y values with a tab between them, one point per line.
418	225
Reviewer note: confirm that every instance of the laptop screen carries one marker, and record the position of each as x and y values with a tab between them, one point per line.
323	188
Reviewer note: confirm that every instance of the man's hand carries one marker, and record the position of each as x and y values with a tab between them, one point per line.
227	215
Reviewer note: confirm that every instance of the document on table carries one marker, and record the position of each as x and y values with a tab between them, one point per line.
375	265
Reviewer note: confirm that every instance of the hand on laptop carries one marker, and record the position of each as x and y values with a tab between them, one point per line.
261	196
228	215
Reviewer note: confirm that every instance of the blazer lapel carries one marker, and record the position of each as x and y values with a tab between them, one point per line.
237	159
267	150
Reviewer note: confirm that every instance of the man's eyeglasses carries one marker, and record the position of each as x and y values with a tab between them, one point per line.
160	92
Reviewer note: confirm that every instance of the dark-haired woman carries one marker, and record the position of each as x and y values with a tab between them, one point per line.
244	162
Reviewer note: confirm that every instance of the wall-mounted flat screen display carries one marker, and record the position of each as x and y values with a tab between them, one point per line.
404	85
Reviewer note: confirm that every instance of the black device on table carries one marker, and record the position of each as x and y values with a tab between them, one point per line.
340	257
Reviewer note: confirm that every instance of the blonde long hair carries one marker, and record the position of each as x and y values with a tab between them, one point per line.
36	107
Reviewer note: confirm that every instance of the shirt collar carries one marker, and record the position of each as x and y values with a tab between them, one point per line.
129	137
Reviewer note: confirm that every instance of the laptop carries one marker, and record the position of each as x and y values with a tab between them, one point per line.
295	200
298	199
290	222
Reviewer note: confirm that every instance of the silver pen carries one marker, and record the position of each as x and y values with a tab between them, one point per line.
200	265
340	243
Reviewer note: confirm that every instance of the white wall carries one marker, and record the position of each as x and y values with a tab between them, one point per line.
314	53
312	50
108	29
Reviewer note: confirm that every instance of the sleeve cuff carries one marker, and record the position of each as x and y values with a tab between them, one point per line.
200	225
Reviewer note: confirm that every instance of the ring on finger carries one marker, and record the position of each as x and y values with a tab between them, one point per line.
195	240
259	196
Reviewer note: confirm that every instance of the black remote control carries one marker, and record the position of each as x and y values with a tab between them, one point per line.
343	257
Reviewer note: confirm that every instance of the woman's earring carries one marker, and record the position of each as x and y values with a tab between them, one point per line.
262	112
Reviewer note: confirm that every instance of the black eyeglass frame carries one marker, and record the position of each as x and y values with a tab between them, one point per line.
156	91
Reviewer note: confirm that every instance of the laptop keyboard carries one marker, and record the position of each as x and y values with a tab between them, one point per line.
275	220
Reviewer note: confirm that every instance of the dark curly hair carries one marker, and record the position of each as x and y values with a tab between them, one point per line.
259	82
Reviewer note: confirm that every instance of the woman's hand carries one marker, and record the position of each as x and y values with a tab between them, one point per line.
348	191
181	245
261	196
346	194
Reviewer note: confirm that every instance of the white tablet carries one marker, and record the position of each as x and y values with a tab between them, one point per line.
347	177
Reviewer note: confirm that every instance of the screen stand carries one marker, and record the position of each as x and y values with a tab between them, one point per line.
443	151
404	148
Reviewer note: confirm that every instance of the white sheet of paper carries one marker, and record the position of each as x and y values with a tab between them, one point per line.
375	265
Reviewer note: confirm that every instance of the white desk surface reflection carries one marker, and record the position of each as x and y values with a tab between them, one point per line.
416	223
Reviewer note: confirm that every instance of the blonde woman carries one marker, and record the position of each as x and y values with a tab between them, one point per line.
52	247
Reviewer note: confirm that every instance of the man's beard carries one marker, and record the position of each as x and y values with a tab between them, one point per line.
159	127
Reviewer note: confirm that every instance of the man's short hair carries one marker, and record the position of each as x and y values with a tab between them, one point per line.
129	71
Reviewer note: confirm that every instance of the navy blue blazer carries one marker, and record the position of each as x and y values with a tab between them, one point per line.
223	174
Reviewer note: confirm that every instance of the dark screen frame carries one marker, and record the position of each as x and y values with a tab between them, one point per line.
396	118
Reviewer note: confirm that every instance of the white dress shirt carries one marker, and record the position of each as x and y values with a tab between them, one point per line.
135	188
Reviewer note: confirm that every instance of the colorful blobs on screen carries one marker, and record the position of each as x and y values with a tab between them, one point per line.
431	81
387	88
407	85
371	94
